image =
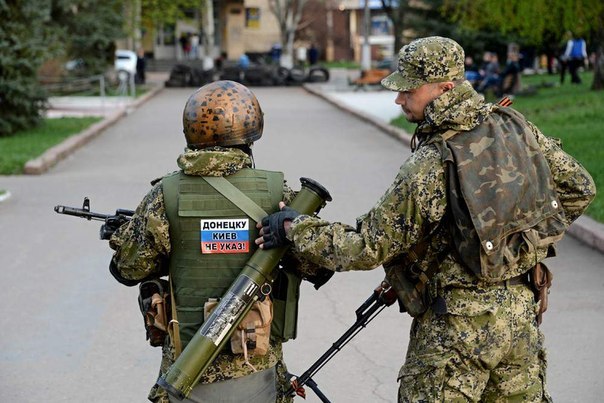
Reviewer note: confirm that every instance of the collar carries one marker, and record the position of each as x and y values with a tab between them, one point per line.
213	161
460	109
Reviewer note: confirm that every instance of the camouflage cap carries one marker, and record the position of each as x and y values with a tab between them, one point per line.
426	60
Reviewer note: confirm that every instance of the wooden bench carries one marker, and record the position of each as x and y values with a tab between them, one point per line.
370	77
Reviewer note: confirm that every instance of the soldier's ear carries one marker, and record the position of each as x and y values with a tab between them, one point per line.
447	86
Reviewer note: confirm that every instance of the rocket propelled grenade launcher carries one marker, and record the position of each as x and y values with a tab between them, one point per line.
254	282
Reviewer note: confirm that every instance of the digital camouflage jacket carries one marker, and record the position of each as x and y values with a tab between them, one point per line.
142	249
415	203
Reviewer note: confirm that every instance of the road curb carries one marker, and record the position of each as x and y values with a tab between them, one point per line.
53	155
585	229
387	128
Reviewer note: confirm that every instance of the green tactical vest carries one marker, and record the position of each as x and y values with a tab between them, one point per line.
201	217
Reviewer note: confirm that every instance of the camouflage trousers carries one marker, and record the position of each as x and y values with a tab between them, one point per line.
159	395
471	354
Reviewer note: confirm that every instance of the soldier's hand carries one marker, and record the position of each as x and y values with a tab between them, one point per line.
111	225
274	228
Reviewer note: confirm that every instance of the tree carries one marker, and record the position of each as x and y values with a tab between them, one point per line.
23	49
157	12
534	20
288	14
33	32
397	11
89	30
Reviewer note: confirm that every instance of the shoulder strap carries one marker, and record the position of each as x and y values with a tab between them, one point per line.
240	199
173	328
448	134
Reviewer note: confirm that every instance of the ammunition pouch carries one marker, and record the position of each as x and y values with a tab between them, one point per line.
253	333
541	281
410	288
154	303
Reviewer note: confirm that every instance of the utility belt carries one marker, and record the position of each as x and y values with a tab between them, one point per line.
251	337
411	286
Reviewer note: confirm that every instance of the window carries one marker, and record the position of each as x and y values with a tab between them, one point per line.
252	17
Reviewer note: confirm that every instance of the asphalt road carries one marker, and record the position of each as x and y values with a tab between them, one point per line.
70	333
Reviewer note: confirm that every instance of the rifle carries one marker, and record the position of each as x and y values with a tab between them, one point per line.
112	222
383	296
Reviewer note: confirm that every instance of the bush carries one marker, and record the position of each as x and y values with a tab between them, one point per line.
22	51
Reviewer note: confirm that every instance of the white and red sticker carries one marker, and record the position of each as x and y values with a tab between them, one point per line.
229	235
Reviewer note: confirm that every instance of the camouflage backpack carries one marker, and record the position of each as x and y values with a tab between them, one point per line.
501	196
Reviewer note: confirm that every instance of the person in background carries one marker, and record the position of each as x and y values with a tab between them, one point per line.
141	66
490	73
194	46
313	55
576	56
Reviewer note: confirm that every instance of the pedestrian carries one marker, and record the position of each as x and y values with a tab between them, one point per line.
510	76
576	56
471	71
184	44
194	46
275	53
490	73
313	54
173	233
461	232
141	64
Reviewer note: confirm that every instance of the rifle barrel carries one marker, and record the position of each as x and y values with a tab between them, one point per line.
80	213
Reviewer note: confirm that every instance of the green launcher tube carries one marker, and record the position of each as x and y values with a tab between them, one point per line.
254	280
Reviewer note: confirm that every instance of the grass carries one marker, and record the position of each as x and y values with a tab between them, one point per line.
572	113
17	149
344	64
110	91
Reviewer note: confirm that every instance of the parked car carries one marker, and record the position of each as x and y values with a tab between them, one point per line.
125	62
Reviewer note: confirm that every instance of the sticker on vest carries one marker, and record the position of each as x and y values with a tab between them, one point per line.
229	235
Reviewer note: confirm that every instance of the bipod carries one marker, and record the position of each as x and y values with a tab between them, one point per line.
383	296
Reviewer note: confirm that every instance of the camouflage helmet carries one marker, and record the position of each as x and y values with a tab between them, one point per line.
426	60
222	113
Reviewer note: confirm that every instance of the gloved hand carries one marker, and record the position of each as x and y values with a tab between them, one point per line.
273	229
111	225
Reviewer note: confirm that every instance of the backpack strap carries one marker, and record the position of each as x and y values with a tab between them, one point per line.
173	328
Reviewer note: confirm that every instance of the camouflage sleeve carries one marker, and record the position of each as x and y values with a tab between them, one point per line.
574	185
142	245
288	193
413	203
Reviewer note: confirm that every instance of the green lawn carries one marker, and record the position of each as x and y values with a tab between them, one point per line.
16	150
572	113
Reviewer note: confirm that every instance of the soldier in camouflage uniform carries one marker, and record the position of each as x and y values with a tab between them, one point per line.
221	121
483	198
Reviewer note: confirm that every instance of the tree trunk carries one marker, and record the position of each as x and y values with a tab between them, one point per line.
397	17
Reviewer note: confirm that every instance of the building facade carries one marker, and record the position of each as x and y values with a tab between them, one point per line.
230	28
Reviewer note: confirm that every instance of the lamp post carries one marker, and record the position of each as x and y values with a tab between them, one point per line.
366	49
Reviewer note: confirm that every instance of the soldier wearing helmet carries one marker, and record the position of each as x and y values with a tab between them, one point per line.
195	226
461	233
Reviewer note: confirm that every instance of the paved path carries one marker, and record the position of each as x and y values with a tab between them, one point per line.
71	333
